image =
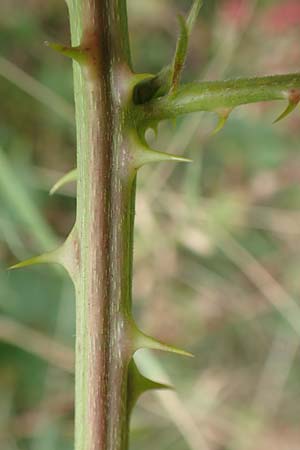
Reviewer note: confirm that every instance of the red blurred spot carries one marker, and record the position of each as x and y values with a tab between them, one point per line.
236	11
282	16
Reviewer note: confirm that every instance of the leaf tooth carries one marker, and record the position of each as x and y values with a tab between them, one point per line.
138	384
65	179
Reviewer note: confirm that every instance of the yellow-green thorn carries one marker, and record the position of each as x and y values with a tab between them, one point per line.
142	340
138	384
66	255
45	258
146	155
65	179
75	53
223	117
290	108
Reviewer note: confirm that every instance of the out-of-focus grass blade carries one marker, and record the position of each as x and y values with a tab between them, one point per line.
18	200
36	90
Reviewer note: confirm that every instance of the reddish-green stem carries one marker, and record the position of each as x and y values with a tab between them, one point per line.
104	225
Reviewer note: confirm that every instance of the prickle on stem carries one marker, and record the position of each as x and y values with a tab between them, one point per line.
142	340
78	53
293	96
223	117
65	179
138	384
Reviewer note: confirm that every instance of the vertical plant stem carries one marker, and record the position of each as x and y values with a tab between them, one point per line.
104	225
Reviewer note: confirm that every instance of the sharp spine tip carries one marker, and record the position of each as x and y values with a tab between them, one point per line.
41	259
142	340
75	53
223	117
143	154
147	155
288	110
65	179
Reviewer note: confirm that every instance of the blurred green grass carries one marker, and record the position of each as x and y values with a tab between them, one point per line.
216	254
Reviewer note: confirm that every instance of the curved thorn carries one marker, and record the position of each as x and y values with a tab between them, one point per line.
65	179
67	255
223	117
75	53
147	155
40	259
290	108
142	340
143	154
138	384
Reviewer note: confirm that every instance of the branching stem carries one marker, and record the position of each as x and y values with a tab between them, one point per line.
218	95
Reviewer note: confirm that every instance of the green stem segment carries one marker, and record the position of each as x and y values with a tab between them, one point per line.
105	203
221	95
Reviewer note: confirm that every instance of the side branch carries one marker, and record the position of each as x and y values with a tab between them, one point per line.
222	96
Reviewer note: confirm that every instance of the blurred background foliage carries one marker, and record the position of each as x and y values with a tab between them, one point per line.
217	257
